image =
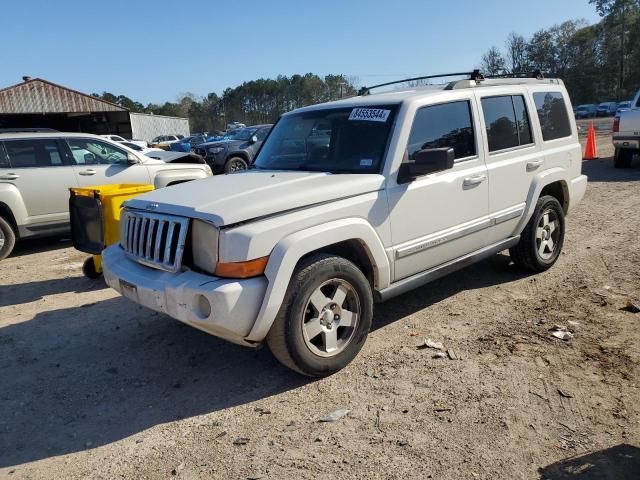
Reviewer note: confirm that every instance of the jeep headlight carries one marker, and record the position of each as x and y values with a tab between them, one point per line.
204	245
216	150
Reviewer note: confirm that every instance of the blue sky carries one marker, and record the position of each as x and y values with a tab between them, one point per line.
152	51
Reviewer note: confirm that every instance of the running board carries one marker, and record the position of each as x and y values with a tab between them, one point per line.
407	284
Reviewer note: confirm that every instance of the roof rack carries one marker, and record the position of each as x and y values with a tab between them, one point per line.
474	76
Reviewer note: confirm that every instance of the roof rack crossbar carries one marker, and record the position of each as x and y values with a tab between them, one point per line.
475	75
537	74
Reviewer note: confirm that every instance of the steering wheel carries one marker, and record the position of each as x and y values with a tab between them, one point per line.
113	158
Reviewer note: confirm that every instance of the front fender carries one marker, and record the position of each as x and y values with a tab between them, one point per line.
540	181
11	198
286	254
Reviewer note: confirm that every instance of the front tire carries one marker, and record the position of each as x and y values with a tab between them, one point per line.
325	317
7	239
622	158
542	239
89	269
235	164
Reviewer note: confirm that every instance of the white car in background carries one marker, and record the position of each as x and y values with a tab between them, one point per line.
38	168
163	141
119	139
138	148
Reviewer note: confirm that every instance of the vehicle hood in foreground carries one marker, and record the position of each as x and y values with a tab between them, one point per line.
174	157
238	197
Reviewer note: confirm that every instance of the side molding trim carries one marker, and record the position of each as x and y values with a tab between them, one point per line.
422	278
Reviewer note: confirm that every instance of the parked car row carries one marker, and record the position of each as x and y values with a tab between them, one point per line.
604	109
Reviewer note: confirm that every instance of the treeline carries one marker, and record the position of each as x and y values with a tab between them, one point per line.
254	102
598	62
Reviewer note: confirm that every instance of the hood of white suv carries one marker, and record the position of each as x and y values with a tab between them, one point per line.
228	199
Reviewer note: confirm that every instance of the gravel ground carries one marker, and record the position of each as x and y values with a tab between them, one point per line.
93	386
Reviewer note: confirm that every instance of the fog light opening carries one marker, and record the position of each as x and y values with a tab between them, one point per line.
203	307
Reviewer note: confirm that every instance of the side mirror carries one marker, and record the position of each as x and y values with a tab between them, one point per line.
426	161
132	159
254	139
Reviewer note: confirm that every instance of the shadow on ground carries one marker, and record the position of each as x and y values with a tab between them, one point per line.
20	293
496	270
603	171
82	377
78	378
39	245
621	462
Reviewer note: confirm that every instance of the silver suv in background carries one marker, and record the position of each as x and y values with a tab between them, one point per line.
37	169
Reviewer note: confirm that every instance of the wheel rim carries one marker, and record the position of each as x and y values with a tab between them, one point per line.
330	317
2	239
237	165
548	234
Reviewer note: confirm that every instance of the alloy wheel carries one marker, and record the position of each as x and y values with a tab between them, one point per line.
331	317
547	234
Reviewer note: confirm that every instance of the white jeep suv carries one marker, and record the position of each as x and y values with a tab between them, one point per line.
353	202
37	169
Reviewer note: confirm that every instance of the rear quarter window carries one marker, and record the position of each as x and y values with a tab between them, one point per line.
4	159
552	113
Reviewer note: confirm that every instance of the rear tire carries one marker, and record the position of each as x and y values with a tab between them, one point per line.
622	158
7	239
235	164
542	239
325	316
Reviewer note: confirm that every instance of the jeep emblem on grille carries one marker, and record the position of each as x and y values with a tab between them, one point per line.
152	206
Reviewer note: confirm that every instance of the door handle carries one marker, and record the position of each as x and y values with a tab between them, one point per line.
88	172
534	164
474	180
10	176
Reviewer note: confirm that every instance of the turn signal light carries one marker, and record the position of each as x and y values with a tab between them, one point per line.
249	269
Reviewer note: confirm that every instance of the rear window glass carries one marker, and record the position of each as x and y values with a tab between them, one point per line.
507	122
33	153
552	113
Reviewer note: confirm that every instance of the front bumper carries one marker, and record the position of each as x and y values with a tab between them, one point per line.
234	304
626	141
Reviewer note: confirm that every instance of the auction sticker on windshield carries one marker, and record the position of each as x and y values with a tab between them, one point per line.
369	114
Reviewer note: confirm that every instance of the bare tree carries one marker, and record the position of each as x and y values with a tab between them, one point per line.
493	62
517	53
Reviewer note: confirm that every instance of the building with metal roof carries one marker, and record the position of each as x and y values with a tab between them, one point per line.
38	103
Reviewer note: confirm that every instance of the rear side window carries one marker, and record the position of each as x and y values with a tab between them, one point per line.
4	160
94	152
441	126
507	122
552	113
33	153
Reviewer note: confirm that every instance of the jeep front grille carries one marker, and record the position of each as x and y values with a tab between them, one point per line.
154	239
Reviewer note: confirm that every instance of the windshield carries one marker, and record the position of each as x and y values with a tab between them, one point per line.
340	140
243	134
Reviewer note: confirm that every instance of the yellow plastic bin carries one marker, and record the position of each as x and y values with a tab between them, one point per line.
95	219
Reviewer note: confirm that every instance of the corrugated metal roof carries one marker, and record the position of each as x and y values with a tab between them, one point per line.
41	96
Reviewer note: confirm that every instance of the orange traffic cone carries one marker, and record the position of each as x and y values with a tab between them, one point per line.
591	150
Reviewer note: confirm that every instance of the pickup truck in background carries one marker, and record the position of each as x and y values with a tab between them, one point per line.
626	134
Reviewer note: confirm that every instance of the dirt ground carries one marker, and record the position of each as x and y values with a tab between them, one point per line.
93	386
